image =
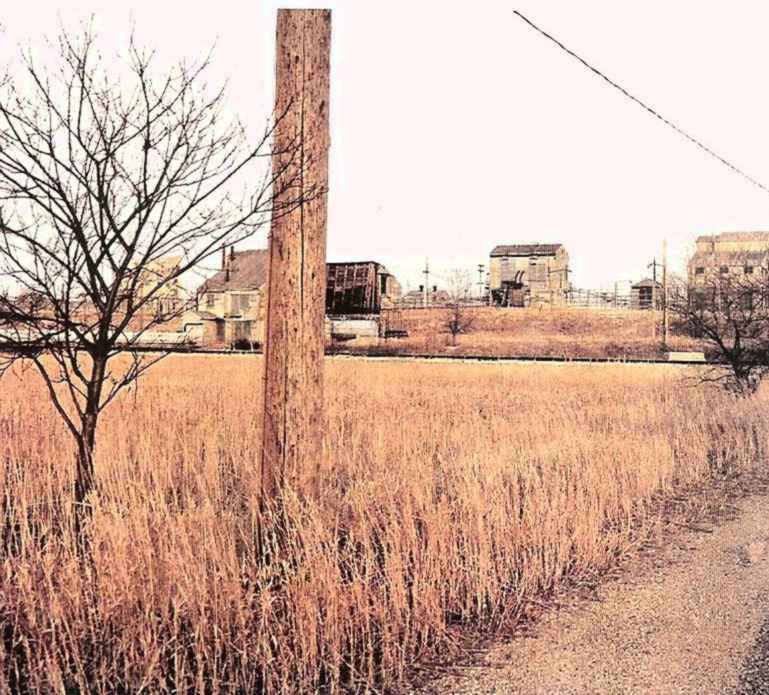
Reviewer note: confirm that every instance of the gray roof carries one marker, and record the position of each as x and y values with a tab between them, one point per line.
247	271
728	258
647	282
736	236
526	250
418	294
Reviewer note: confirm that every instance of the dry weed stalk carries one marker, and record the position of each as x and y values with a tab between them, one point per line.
458	493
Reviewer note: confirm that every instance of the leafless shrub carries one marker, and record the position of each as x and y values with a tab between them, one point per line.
459	319
113	185
730	312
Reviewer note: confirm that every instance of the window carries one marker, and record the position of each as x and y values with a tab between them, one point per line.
210	300
746	301
699	300
699	270
645	297
533	261
748	270
240	304
242	330
724	269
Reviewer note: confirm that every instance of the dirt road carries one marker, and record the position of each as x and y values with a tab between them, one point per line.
687	619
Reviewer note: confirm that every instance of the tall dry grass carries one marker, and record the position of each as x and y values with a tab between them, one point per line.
534	332
453	492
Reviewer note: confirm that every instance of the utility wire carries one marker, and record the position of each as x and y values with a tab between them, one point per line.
640	103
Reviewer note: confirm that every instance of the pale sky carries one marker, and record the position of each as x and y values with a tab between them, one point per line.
456	127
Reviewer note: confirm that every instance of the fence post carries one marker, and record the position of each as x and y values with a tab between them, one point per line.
293	388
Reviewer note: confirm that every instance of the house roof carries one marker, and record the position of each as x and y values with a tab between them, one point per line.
379	267
646	282
735	236
526	250
416	294
247	271
728	258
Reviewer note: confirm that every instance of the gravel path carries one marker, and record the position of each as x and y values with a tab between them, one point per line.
692	617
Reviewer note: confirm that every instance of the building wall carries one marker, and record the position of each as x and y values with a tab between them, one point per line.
238	303
392	291
716	257
641	297
546	277
733	244
242	312
360	288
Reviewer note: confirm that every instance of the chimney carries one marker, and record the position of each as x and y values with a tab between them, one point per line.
227	274
232	253
224	257
421	288
435	288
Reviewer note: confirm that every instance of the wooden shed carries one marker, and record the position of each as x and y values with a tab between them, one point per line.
363	288
646	294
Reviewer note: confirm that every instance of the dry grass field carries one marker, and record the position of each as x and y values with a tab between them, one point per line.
533	332
454	493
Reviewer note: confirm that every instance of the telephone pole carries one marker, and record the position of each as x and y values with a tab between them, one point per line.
480	282
665	292
292	444
425	290
653	265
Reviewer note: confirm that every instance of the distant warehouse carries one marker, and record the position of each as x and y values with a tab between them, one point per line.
357	294
361	287
524	274
729	260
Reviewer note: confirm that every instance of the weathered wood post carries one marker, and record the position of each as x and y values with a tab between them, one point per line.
294	338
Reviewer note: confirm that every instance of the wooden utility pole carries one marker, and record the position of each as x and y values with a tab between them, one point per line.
654	266
293	391
665	292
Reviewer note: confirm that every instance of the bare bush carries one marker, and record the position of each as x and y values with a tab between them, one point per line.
114	183
730	312
459	320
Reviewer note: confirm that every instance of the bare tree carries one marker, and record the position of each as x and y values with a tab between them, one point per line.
104	176
728	307
459	320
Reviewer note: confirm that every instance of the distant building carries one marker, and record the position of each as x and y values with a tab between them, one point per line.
360	287
646	294
230	304
436	299
727	258
521	274
742	253
164	299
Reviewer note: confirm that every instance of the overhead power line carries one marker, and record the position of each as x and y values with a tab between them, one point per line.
640	103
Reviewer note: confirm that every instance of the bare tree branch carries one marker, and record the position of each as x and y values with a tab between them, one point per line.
113	186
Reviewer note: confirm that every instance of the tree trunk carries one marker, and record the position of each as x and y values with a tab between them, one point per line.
84	461
84	469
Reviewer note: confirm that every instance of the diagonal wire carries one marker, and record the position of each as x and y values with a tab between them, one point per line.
640	103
